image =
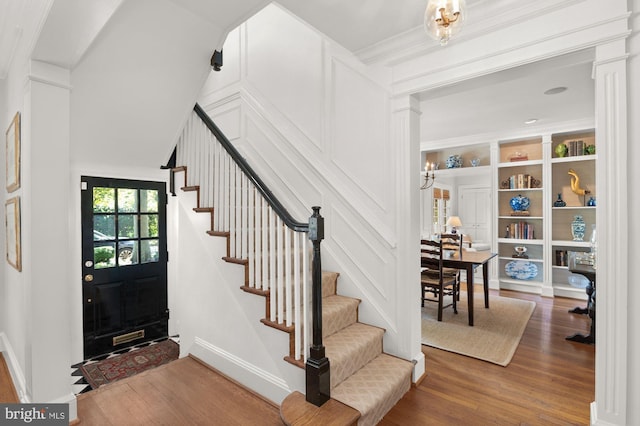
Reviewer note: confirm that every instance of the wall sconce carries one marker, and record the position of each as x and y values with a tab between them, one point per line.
454	222
444	18
429	178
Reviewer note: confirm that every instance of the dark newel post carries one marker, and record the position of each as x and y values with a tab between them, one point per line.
317	369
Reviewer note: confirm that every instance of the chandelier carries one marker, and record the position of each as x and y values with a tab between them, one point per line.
444	18
429	178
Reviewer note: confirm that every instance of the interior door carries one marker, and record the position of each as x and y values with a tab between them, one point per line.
474	208
124	263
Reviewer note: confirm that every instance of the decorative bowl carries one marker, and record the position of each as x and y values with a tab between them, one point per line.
521	269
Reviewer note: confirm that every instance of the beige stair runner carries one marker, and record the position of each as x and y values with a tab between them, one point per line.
362	375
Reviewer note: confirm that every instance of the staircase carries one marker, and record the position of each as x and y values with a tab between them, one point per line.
362	375
274	258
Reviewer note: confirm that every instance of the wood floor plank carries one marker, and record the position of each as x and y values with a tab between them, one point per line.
182	392
549	381
8	392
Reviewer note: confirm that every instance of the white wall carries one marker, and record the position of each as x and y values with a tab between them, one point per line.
316	125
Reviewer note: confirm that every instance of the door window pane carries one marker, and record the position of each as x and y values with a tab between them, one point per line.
104	227
148	201
127	200
127	252
149	251
104	254
127	226
104	200
148	225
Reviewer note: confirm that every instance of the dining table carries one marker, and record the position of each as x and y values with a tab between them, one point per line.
468	261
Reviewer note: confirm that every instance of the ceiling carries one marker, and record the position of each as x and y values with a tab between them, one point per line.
492	103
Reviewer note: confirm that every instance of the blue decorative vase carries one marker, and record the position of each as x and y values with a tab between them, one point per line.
454	161
519	203
591	202
577	228
559	202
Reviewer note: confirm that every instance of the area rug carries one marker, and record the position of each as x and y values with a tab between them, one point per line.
130	363
496	332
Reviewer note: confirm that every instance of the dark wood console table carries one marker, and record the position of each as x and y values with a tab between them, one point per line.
590	273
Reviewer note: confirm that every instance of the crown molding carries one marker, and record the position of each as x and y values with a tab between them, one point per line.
415	42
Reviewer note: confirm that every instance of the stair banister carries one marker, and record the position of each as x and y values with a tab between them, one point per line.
247	247
318	380
251	174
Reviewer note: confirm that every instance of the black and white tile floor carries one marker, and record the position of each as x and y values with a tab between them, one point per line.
80	384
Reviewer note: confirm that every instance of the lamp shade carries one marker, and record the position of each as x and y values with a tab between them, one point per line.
444	18
454	222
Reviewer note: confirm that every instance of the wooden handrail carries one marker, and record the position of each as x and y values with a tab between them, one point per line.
275	204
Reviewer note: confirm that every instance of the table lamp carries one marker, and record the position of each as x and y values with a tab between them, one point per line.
454	222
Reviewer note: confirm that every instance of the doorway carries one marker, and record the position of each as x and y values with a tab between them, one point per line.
124	263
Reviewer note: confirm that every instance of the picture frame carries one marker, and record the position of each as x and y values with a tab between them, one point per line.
12	228
13	154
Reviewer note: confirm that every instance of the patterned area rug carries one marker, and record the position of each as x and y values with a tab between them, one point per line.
128	364
495	335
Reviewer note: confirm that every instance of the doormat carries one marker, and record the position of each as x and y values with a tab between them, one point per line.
130	363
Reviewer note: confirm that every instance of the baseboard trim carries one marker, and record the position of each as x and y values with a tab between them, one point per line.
17	375
265	384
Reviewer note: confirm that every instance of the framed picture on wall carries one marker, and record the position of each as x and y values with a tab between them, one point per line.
13	154
12	224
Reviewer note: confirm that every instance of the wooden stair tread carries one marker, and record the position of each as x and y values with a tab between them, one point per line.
219	233
203	209
191	188
296	411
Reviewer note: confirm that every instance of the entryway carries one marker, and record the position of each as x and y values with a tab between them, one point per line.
124	263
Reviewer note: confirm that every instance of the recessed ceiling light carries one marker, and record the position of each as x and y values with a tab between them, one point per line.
531	121
555	90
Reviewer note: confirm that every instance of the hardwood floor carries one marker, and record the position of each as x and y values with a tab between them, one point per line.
183	392
7	390
549	381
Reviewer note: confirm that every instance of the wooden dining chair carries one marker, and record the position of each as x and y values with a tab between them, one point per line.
453	245
433	279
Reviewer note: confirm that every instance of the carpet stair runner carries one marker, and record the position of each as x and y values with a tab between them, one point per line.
362	375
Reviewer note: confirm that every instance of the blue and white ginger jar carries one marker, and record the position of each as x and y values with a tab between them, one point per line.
577	228
520	203
454	162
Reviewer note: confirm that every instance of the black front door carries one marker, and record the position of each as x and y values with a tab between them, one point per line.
124	263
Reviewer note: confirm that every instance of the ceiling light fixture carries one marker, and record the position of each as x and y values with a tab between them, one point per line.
555	90
444	18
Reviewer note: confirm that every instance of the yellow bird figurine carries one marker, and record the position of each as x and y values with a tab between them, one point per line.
575	183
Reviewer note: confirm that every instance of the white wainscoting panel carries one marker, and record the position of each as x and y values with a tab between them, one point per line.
360	133
290	76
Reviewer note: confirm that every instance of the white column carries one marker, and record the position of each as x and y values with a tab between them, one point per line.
633	230
547	281
610	406
46	242
494	273
406	134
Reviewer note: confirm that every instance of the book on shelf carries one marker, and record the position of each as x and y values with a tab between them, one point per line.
575	148
521	231
521	181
